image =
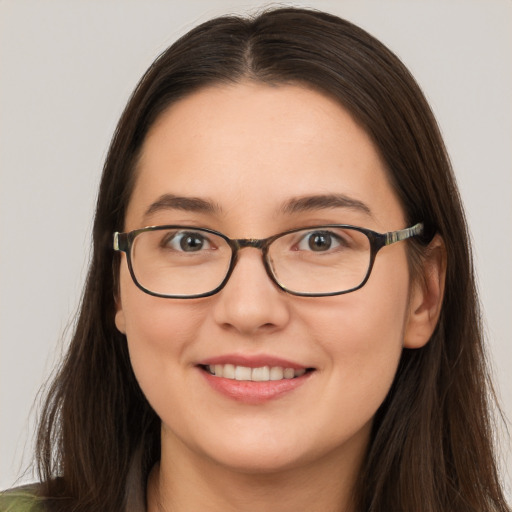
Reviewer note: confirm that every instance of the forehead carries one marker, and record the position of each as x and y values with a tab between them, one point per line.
248	148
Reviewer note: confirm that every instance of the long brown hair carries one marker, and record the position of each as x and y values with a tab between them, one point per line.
431	446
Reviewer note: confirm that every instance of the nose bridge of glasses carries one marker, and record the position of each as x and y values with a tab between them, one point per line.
249	242
254	243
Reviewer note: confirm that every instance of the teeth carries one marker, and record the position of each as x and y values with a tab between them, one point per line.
276	373
242	373
228	371
260	374
288	373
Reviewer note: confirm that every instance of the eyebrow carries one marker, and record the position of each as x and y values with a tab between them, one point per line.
293	205
189	204
321	202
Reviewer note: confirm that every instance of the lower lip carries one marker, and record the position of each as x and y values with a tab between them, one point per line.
250	392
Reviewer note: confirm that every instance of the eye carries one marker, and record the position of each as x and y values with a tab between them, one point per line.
186	241
319	241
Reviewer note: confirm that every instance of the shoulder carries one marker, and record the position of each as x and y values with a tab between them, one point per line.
21	499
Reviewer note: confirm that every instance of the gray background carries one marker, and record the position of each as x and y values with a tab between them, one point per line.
66	71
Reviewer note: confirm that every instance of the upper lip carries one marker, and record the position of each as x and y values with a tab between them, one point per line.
252	361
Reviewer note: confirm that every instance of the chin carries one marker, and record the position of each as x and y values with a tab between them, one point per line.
259	462
270	453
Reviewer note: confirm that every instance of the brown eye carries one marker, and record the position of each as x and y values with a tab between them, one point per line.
319	241
186	241
191	243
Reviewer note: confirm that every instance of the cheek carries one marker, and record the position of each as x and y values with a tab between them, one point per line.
361	334
368	320
158	333
363	346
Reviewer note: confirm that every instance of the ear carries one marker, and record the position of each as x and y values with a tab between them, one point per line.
119	319
426	296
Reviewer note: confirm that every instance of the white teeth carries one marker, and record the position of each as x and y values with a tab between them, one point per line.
242	373
276	373
288	373
260	374
228	371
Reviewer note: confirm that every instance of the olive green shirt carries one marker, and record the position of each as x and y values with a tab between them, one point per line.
26	499
21	499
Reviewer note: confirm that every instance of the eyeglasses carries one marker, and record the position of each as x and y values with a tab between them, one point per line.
186	262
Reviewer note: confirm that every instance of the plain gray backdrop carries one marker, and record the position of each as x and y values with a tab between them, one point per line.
66	71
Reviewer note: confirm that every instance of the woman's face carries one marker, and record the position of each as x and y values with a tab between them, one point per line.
253	151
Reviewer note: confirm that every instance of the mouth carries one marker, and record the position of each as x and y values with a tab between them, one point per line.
254	378
258	374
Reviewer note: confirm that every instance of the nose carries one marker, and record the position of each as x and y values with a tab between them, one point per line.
250	303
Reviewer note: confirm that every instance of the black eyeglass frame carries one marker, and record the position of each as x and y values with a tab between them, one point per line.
123	242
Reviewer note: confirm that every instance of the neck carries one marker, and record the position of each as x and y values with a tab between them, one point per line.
186	481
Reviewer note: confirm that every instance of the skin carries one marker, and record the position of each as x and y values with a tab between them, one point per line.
250	148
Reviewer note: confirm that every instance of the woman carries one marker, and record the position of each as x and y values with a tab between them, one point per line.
343	370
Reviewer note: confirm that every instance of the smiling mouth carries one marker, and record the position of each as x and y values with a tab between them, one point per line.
259	374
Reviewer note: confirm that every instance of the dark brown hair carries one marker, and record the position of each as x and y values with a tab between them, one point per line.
431	447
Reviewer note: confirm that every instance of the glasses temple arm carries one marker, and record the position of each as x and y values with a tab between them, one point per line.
120	241
403	234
